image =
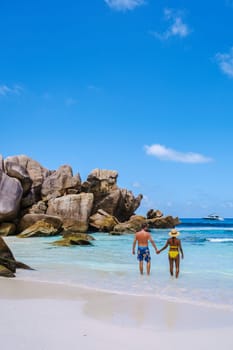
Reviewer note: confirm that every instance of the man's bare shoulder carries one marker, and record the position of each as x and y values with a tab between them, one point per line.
139	233
142	233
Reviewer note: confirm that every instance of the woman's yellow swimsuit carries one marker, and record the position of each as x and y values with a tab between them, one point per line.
173	253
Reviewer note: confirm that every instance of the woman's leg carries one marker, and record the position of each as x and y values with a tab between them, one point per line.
177	260
171	265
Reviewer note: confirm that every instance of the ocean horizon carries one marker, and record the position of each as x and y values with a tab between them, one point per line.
206	274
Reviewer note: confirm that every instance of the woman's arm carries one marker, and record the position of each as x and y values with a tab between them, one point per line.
165	247
181	250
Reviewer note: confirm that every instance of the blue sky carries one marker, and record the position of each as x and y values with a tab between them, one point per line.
141	87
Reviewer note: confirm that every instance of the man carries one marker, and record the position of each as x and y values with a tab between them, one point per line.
175	248
143	253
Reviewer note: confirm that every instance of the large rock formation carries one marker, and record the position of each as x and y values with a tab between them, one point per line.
127	205
131	226
73	209
102	221
36	172
8	264
163	222
101	181
11	192
40	228
20	173
153	214
70	239
60	201
120	203
61	182
30	219
1	163
7	229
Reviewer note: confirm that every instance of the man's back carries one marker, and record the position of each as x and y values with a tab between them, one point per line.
142	237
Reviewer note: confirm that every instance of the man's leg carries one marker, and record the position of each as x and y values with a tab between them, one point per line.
148	267
141	267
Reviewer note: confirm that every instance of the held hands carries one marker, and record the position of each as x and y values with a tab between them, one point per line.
133	252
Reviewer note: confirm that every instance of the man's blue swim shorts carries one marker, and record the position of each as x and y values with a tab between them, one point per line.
144	254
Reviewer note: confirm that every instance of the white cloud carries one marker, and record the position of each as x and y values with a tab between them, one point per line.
177	26
136	184
163	153
225	61
124	5
6	90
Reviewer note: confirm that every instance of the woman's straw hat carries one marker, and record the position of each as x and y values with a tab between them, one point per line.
174	233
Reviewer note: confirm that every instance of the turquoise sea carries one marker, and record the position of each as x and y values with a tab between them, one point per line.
206	275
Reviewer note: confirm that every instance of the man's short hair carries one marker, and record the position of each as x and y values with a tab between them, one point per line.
144	225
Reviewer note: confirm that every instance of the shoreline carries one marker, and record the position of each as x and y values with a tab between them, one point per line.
162	298
20	289
58	316
202	282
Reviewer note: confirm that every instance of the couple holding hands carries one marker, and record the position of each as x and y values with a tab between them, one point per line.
143	253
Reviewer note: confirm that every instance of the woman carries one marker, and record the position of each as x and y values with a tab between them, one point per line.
174	251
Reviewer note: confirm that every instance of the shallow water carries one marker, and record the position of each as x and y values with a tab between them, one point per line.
206	275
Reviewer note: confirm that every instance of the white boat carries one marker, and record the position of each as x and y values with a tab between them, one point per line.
213	217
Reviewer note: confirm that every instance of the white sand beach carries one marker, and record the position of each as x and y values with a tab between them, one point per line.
41	316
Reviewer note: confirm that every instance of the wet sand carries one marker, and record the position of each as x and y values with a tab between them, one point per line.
41	316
